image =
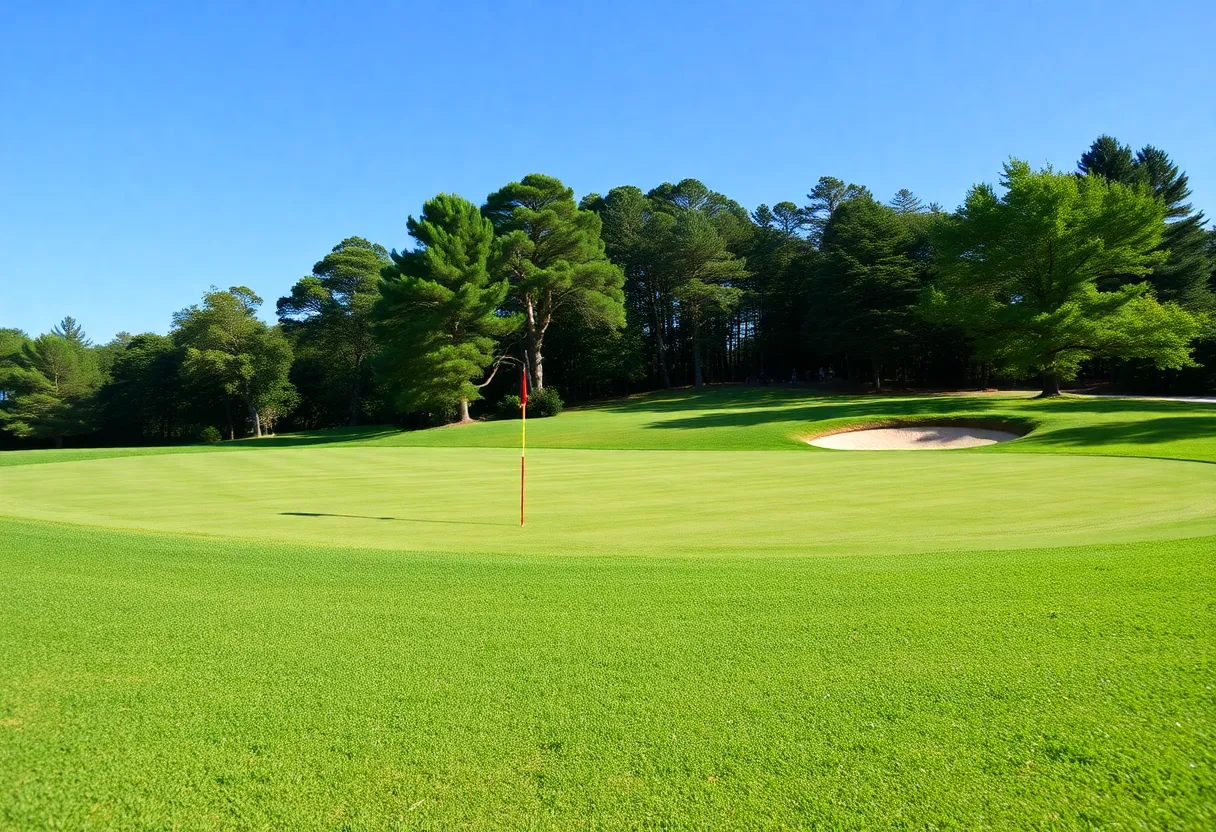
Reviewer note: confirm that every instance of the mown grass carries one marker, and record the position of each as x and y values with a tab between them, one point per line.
356	636
656	503
155	682
750	418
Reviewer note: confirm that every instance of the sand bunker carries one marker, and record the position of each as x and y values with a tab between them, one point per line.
912	439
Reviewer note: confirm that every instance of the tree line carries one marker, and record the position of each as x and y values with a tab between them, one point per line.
1105	272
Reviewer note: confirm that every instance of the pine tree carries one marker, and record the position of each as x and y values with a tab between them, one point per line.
437	319
327	315
1110	160
552	256
70	330
823	200
49	389
1183	275
708	277
906	202
866	289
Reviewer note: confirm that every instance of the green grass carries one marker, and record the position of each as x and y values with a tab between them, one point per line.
347	631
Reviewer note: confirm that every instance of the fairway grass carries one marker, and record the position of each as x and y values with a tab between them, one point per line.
706	624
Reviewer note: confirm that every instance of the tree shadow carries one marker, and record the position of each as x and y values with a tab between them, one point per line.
1142	432
892	409
689	398
396	519
320	437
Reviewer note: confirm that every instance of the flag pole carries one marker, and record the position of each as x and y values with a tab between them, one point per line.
523	433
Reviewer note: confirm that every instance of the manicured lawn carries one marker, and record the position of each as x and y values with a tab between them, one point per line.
346	632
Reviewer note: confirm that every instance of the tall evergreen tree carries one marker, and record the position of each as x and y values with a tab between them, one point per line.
69	329
438	318
1183	275
708	276
1110	160
328	314
789	218
551	254
50	388
145	398
636	238
906	202
866	289
823	200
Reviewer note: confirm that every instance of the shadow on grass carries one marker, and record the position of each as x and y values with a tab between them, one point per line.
821	410
397	519
749	406
321	437
1142	432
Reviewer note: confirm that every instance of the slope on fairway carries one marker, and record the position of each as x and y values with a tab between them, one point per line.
621	502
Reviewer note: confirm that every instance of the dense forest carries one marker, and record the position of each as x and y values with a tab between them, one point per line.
1103	274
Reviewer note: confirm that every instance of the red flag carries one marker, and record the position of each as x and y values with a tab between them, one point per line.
523	386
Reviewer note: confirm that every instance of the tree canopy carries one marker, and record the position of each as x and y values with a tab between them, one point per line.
226	345
1022	273
551	254
328	317
438	317
48	386
1106	274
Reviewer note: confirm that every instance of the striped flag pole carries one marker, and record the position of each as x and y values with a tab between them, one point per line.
523	435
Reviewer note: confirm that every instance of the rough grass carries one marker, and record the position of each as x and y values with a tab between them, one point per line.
432	672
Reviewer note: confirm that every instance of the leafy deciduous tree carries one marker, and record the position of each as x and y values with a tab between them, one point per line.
1021	274
226	343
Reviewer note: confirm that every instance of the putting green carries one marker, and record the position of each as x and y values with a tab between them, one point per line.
464	500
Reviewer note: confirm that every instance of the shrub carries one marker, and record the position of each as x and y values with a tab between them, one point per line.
210	434
508	407
545	402
542	403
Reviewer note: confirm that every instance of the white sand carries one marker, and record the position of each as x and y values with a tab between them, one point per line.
912	439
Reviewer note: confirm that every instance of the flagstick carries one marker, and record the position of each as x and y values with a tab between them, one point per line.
523	441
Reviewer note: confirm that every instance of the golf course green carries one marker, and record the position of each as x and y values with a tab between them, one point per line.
706	623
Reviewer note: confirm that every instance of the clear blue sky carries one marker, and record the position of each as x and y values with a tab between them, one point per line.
148	151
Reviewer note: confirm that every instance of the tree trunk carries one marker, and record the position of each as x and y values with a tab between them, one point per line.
353	406
538	371
1051	386
696	365
464	410
877	375
660	344
228	419
58	442
536	339
255	418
